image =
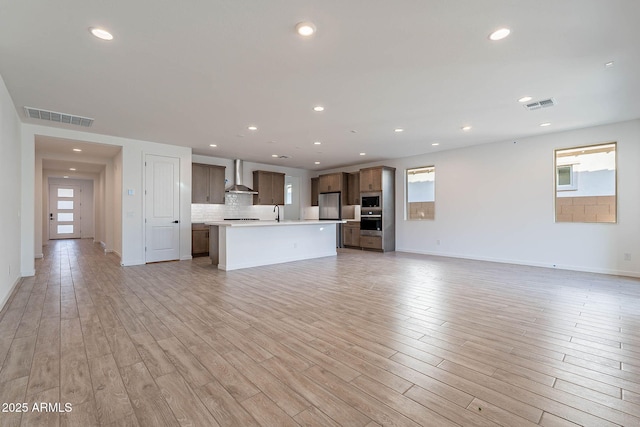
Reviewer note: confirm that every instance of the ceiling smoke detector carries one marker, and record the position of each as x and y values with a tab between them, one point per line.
545	103
36	113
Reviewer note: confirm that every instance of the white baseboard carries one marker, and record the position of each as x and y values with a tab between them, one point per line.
5	299
584	269
186	258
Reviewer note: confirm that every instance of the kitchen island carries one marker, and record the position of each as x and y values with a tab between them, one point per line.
242	244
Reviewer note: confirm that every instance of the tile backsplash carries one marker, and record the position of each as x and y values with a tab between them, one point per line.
241	206
236	206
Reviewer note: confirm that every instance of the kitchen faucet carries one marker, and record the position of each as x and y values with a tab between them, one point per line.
278	214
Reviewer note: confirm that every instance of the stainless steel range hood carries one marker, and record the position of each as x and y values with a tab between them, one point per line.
237	187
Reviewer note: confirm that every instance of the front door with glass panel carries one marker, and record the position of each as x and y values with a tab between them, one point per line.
64	212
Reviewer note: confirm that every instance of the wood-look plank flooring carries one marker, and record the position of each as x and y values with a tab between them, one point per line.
361	339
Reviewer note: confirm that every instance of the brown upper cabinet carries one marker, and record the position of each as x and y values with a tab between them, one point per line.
353	195
332	182
314	191
371	179
207	184
270	188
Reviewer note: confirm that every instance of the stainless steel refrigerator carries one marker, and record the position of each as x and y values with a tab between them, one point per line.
330	207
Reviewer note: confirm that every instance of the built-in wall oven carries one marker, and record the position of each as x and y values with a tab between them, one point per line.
371	222
370	200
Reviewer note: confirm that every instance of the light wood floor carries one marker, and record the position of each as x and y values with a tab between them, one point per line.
362	339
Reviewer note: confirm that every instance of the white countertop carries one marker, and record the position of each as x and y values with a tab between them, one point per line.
273	223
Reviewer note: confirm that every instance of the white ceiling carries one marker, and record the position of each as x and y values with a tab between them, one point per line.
199	72
58	156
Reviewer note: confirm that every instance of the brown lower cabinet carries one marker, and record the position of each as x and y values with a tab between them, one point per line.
199	240
351	234
371	242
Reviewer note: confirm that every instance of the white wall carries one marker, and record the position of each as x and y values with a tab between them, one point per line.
115	204
10	188
99	205
496	202
129	224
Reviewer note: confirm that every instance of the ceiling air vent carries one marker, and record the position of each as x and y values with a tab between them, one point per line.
36	113
540	104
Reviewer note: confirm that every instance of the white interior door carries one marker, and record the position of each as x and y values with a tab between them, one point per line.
65	209
162	207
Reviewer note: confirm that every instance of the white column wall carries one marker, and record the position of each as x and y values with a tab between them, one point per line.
11	268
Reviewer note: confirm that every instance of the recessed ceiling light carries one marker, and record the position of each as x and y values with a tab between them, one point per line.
466	128
252	128
317	163
398	130
609	64
77	150
499	34
317	143
435	143
213	145
363	154
318	108
305	29
101	34
545	124
66	176
274	155
72	169
525	99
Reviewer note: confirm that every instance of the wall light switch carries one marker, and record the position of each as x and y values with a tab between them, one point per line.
131	192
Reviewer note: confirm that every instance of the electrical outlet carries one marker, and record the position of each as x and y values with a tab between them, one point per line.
627	256
438	242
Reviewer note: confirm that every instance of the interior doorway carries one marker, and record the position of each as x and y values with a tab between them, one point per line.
95	169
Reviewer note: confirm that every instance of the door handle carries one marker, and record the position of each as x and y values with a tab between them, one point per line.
50	217
176	221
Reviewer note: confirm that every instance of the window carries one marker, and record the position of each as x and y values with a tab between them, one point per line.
65	229
585	184
566	180
65	204
288	194
65	192
421	199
